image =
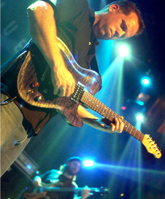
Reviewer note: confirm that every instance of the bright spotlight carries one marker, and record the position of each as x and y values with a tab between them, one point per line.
139	117
88	163
37	172
145	81
28	166
123	50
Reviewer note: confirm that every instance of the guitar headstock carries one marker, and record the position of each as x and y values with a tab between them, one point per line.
103	191
151	146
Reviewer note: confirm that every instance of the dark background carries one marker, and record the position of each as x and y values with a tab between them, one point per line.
115	154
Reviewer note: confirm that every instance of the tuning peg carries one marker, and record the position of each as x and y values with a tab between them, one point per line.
158	150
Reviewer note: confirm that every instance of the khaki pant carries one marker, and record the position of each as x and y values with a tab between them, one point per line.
13	135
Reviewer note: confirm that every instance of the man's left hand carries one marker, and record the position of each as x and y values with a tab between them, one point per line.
85	193
117	125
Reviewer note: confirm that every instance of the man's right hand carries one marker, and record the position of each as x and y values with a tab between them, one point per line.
85	193
63	81
43	30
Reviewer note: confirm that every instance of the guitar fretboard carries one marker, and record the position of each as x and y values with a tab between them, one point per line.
93	103
68	189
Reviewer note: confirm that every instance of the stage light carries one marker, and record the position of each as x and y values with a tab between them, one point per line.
123	50
139	117
37	172
123	108
139	102
88	163
145	81
28	166
142	98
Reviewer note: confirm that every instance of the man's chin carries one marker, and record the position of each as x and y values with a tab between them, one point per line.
104	37
72	173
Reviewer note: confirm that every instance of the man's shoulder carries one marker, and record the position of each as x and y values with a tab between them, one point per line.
51	174
54	172
75	184
67	6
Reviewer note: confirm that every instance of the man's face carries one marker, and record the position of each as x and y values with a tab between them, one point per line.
73	167
116	25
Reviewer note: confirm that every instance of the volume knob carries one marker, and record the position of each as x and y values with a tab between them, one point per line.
38	98
35	84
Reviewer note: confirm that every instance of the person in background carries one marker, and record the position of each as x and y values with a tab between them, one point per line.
64	178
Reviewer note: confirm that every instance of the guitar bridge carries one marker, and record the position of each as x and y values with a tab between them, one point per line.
78	92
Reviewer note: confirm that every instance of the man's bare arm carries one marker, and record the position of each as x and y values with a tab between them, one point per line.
99	124
44	32
37	182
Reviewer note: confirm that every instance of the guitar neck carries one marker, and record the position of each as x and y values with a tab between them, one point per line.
68	189
93	103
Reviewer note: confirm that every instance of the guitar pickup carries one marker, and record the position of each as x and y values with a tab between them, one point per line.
78	92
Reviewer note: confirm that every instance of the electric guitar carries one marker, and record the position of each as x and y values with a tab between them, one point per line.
37	90
39	191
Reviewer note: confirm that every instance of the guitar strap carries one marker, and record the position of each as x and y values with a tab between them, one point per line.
10	99
10	65
94	65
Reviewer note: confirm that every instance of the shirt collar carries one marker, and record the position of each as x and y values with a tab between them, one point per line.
92	19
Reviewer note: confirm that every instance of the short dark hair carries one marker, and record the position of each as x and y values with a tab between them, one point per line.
127	7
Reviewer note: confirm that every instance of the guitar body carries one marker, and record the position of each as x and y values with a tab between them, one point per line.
36	88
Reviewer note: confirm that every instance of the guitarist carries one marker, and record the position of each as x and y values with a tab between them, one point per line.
65	177
79	27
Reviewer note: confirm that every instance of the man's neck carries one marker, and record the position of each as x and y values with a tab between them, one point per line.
98	15
67	175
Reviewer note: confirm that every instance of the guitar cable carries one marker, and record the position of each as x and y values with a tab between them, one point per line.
7	101
16	143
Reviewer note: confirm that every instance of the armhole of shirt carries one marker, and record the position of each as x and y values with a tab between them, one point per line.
54	8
